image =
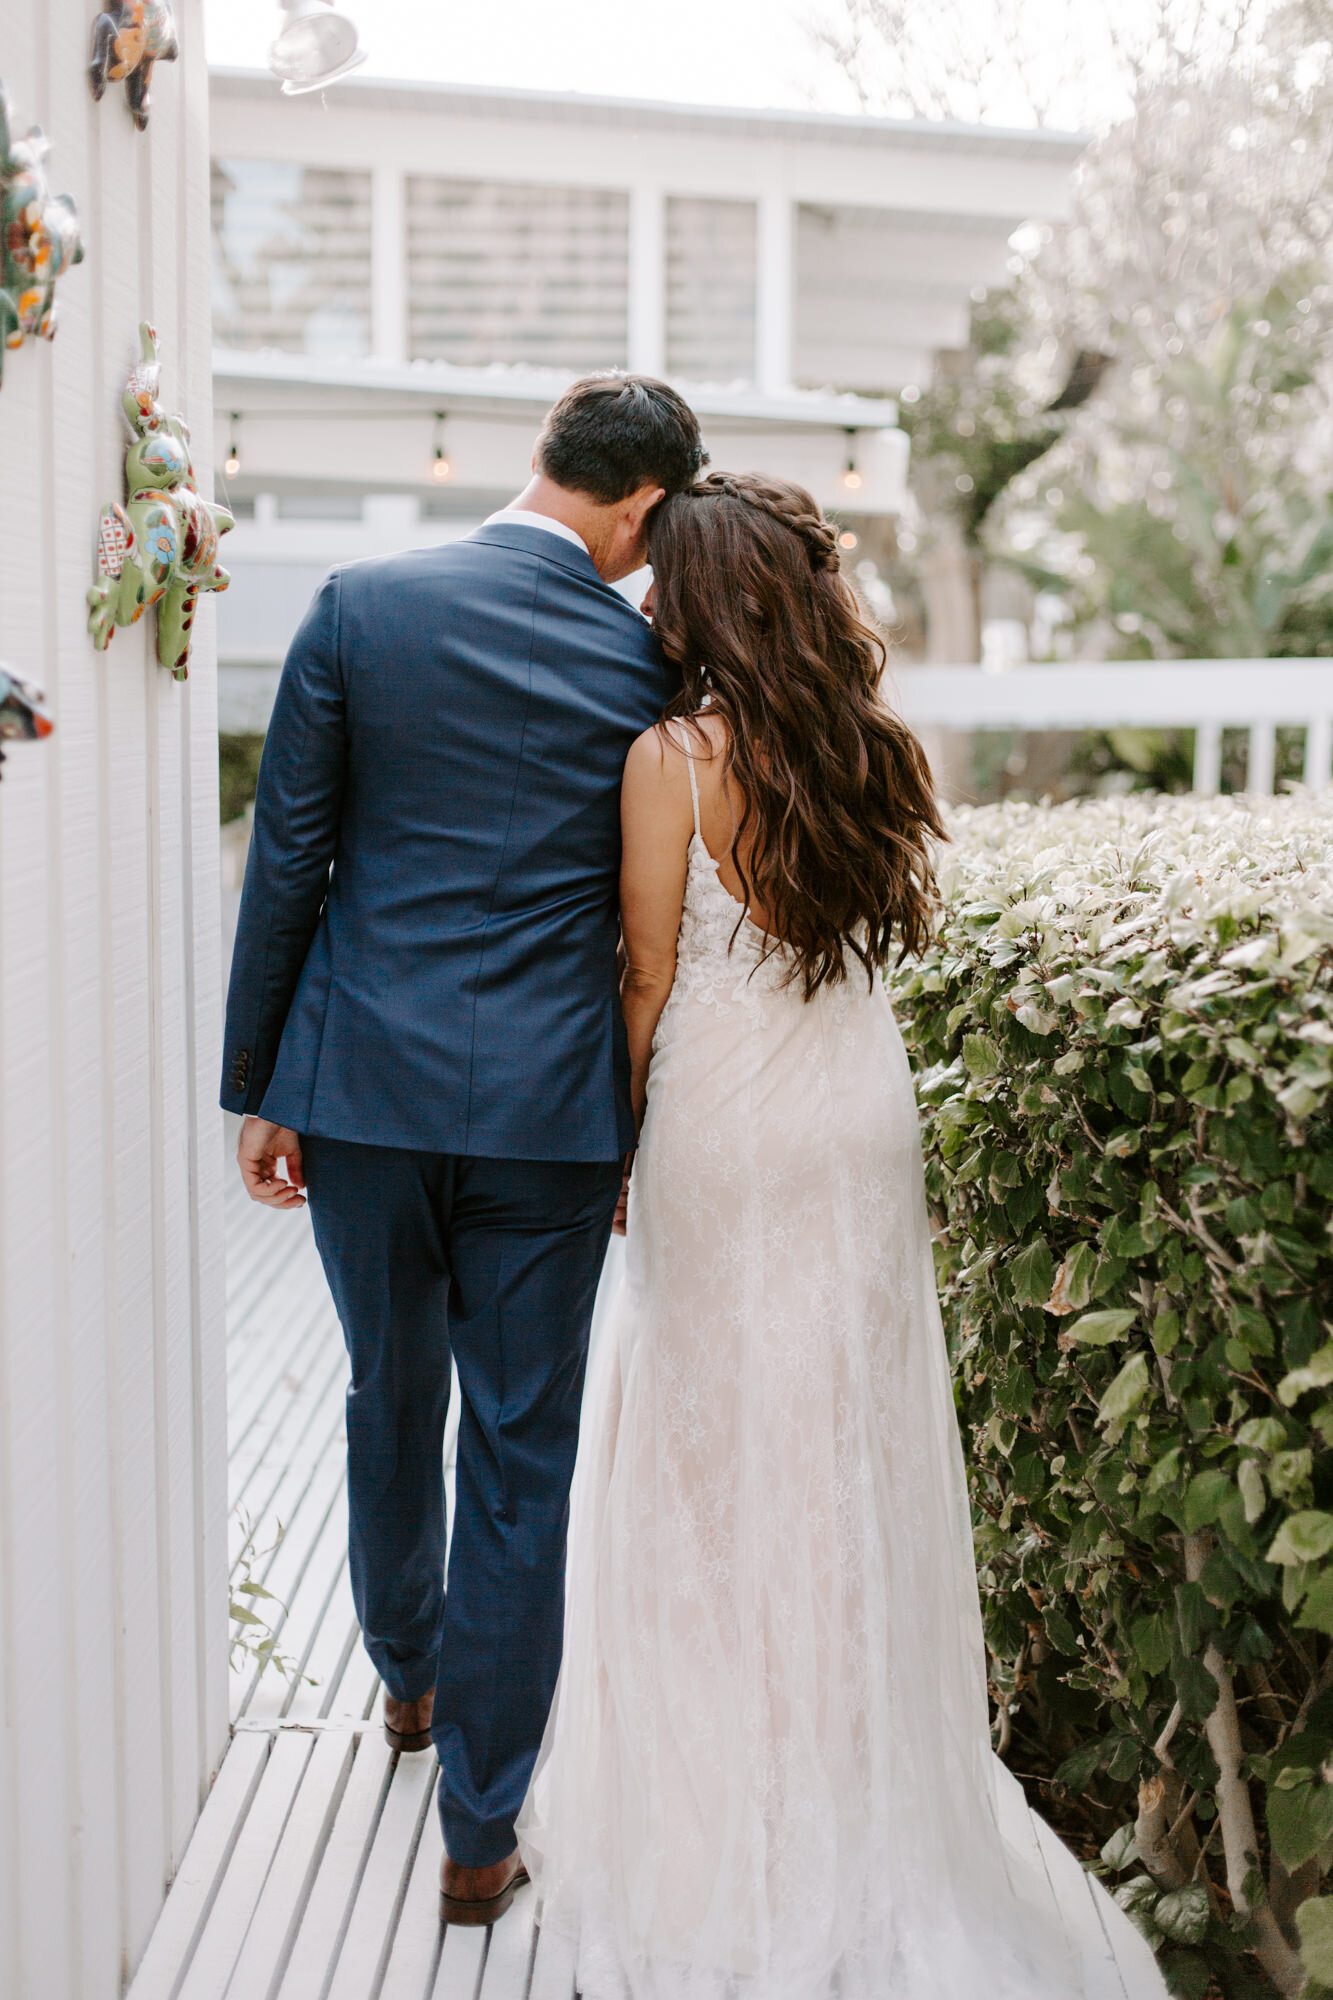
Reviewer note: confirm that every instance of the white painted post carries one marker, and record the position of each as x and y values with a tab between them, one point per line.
1318	751
1208	758
388	264
775	295
1261	763
647	281
113	1499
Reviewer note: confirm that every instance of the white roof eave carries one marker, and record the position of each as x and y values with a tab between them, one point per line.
375	93
512	391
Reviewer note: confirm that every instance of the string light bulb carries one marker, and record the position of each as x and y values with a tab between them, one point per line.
851	477
231	464
441	468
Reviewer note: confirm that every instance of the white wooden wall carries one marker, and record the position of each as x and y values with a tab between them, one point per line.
112	1494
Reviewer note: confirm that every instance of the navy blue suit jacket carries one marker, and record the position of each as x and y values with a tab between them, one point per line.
426	949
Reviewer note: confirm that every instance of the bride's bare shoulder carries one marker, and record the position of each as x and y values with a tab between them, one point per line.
655	764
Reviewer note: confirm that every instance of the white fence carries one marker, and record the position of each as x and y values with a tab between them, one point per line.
1206	696
113	1609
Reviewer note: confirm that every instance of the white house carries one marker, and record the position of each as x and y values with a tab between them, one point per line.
406	275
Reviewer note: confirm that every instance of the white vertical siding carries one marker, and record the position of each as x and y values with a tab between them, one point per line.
112	1493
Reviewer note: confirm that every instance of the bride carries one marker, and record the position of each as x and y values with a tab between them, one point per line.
767	1774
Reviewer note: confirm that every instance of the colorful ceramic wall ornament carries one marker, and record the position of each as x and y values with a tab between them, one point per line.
128	39
39	236
23	716
161	547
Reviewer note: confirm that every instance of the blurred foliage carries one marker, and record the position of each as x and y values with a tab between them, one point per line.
1186	511
974	429
1123	1039
1175	504
1211	539
1162	760
238	773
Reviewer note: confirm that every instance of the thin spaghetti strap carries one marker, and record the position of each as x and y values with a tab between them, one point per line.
684	740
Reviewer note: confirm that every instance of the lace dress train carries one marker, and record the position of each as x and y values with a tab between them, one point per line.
767	1774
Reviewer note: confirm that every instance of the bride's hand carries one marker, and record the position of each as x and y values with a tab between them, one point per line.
622	1203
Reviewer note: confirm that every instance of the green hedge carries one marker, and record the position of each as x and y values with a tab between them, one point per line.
238	774
1123	1038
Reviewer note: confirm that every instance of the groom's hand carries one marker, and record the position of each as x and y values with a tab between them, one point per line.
262	1145
622	1203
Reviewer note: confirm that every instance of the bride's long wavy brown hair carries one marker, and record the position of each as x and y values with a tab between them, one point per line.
837	805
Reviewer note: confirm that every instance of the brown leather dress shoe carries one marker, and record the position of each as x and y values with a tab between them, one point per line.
407	1723
479	1895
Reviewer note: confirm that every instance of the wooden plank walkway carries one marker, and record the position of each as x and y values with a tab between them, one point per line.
312	1874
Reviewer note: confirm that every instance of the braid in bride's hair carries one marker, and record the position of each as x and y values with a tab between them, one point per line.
837	804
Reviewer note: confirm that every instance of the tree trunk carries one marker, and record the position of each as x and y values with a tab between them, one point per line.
1240	1841
950	584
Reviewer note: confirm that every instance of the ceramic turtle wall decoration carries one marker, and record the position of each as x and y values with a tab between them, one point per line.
161	547
39	236
128	39
23	714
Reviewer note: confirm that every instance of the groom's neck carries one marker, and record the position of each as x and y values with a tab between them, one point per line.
587	517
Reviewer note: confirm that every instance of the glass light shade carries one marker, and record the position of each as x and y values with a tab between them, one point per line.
315	46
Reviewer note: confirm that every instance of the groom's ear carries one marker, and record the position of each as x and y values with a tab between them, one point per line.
642	503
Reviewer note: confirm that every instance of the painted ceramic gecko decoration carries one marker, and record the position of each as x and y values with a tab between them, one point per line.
128	39
23	716
161	547
39	237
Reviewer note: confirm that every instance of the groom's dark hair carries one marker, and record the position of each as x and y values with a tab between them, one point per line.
611	434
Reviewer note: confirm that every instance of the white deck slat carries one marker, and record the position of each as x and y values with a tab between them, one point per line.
287	1886
553	1968
285	1376
271	1271
274	1337
268	1320
415	1958
299	1444
337	1642
284	1572
263	1357
242	1885
461	1963
307	1600
359	1692
201	1871
334	1891
509	1955
389	1870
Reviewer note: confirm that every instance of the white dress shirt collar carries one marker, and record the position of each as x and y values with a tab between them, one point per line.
523	517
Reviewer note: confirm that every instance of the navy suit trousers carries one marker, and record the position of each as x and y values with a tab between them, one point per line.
495	1263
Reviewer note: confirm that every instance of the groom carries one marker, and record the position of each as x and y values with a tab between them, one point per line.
423	1028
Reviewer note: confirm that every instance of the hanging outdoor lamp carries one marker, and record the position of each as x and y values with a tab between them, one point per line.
231	464
316	45
440	469
851	477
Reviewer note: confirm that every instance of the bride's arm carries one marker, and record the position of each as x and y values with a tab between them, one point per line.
656	823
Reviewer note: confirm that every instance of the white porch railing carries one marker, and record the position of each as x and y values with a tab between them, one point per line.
1206	696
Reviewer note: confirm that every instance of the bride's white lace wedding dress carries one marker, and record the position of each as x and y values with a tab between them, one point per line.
768	1772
